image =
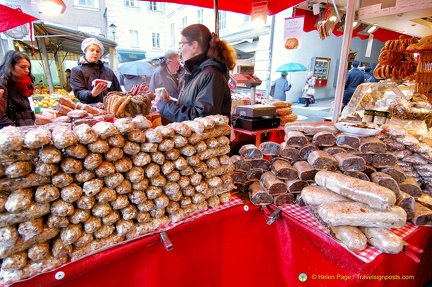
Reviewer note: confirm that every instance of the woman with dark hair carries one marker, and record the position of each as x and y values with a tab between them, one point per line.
90	68
16	86
207	62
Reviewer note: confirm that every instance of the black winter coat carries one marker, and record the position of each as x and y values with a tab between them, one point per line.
16	109
206	92
82	77
354	78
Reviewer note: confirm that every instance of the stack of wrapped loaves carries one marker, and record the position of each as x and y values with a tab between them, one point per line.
352	184
66	192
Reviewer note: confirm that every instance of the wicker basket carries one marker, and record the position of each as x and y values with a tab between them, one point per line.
424	74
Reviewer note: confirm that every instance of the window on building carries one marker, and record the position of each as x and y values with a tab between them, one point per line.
133	38
88	3
222	19
156	40
173	33
156	6
246	18
131	3
200	17
184	22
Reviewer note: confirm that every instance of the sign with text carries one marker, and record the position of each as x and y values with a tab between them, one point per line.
293	32
259	11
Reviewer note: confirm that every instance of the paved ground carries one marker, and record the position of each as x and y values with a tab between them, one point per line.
315	112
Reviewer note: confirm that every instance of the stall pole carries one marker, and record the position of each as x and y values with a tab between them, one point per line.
59	67
216	11
112	59
45	64
252	95
267	95
346	44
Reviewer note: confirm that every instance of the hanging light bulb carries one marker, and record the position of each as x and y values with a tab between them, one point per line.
372	29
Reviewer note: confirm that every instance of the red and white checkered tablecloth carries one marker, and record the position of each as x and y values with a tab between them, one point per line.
367	255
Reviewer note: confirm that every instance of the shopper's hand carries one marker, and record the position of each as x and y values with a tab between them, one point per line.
154	104
99	88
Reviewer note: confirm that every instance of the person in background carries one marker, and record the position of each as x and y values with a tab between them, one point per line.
168	74
131	80
372	79
354	78
309	89
367	74
16	86
67	86
280	87
207	61
90	68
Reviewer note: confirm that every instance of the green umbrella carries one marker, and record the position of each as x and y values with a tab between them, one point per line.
291	67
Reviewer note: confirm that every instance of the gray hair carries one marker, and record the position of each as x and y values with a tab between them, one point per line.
171	54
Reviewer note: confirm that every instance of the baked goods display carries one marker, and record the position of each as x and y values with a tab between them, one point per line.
67	111
424	43
130	104
371	98
394	62
283	110
415	107
357	187
69	191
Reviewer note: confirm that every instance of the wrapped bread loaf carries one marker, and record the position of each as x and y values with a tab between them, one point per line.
372	194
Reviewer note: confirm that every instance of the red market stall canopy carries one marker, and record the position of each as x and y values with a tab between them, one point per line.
238	6
11	18
380	34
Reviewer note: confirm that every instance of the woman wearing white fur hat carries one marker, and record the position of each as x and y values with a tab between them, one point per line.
90	68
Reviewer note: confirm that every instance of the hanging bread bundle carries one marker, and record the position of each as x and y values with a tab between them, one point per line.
129	104
394	62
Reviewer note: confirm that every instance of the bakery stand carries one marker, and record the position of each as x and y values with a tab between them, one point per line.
235	247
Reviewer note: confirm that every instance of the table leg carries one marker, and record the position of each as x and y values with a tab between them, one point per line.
257	140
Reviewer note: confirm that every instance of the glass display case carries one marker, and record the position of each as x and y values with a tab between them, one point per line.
374	97
321	67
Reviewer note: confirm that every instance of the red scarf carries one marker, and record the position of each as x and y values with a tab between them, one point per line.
23	86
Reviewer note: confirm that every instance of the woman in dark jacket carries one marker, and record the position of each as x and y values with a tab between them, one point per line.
90	68
16	86
207	63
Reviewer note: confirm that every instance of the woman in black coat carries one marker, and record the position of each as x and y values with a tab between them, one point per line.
90	68
207	63
16	86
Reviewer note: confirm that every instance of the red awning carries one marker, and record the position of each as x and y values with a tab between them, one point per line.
11	18
380	34
238	6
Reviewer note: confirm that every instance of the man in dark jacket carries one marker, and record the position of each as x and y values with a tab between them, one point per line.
354	78
168	75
